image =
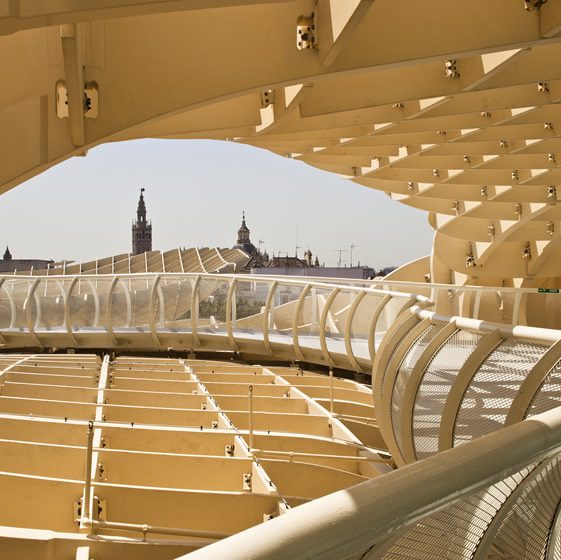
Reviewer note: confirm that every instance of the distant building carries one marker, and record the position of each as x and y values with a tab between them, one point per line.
141	229
244	242
254	256
9	264
352	273
260	264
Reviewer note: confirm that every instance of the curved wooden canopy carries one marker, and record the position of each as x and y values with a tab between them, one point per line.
450	108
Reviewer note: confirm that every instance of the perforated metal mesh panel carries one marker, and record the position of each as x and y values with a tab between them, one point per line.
283	307
336	324
456	531
491	391
389	314
213	296
434	388
311	310
175	297
361	321
525	531
404	373
549	394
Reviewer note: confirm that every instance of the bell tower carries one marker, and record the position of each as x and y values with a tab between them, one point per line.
141	229
243	232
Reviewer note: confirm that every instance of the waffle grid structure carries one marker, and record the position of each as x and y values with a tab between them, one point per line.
452	108
168	448
193	260
449	108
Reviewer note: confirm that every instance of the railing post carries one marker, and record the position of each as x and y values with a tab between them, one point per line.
331	391
109	310
27	307
348	330
67	320
323	324
476	305
250	418
516	308
298	308
13	310
267	316
86	506
195	311
152	310
231	314
314	307
371	337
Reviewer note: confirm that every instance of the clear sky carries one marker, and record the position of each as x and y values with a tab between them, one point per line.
195	194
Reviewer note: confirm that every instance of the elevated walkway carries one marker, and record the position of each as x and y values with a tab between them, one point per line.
446	393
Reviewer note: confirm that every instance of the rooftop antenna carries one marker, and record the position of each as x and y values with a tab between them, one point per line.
352	247
340	251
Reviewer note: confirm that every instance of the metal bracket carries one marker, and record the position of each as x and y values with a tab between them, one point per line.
91	100
551	194
305	33
99	509
267	98
90	103
450	68
77	509
531	5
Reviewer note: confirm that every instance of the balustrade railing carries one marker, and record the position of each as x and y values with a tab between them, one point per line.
335	324
442	381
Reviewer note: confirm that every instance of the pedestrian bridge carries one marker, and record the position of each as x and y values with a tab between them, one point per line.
439	383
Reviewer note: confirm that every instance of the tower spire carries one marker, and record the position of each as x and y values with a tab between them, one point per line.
141	208
141	229
243	232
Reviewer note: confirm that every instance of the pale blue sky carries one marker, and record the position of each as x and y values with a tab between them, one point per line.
195	194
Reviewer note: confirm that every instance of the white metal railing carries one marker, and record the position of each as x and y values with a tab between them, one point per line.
443	381
454	505
516	306
338	325
439	382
